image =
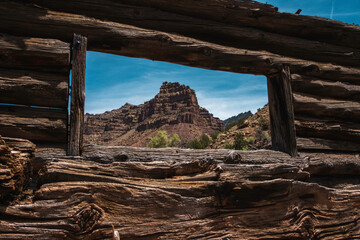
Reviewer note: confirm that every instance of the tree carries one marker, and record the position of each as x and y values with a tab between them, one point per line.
161	140
201	143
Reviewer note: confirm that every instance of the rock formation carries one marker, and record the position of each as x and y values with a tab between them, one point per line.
256	127
232	119
174	109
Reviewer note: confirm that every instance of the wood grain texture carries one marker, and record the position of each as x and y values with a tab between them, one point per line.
261	16
46	55
207	30
35	124
188	194
327	144
281	112
325	88
15	168
76	127
310	127
110	37
32	88
311	105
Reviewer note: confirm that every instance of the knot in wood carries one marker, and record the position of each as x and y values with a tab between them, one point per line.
207	51
312	68
87	217
232	158
77	44
163	38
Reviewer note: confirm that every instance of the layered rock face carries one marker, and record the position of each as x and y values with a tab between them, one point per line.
174	109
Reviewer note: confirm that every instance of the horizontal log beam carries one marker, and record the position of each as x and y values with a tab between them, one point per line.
46	55
33	88
327	144
327	129
193	194
35	124
131	41
262	16
325	88
207	30
348	111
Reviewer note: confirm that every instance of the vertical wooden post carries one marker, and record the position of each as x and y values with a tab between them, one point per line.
282	112
75	147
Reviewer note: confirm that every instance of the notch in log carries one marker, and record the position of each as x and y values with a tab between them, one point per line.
76	128
281	110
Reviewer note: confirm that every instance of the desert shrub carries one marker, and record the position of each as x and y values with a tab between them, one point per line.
264	124
262	139
240	143
195	144
228	145
250	140
162	140
201	143
215	135
174	140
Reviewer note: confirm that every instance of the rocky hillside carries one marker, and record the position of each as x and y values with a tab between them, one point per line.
174	109
232	119
255	129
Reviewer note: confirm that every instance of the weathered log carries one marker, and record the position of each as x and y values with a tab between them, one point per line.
348	111
14	169
46	55
206	30
327	144
76	131
33	88
35	124
328	129
19	145
262	16
325	88
192	195
130	41
281	112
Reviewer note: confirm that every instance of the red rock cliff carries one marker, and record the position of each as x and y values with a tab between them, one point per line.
174	109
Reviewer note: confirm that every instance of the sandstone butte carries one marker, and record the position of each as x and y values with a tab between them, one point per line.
174	109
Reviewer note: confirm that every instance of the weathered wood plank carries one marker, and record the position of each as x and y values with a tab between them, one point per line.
33	88
262	195
281	112
310	127
310	105
325	88
207	30
262	16
76	127
35	124
15	169
46	55
131	41
327	144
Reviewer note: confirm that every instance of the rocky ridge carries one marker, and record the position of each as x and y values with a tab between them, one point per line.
174	109
255	127
232	119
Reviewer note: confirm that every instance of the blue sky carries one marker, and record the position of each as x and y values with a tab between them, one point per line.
113	80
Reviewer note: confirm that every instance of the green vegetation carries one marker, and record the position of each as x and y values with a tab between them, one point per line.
201	143
240	143
214	136
162	140
264	124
